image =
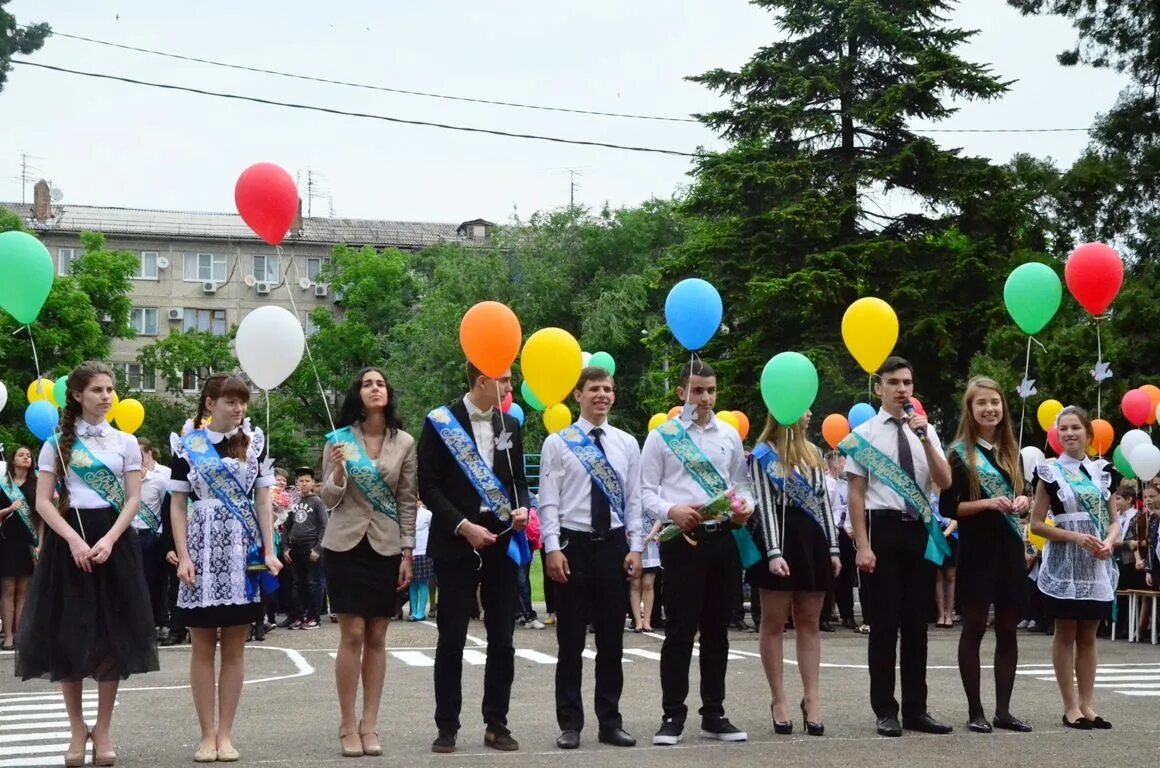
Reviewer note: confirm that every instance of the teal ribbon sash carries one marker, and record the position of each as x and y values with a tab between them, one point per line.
1090	499
93	473
364	473
885	469
20	504
697	464
992	482
148	516
598	467
799	492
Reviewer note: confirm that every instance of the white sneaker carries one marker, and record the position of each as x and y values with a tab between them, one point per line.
535	624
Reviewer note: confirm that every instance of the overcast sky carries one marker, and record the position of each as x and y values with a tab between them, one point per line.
106	143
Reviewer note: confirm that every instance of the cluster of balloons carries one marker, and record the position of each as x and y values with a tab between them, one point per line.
1141	406
1103	435
46	397
835	427
736	419
1136	456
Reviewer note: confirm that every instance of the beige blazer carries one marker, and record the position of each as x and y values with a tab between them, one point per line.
352	516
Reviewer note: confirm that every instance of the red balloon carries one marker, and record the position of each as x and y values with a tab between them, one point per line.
507	402
1137	406
917	406
1054	441
1094	273
267	200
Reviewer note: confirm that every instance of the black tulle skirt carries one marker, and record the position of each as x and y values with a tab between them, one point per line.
806	552
97	625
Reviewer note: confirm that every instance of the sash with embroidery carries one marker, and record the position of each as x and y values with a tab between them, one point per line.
365	474
597	465
992	482
697	464
95	474
799	492
462	448
149	516
1088	497
20	505
886	470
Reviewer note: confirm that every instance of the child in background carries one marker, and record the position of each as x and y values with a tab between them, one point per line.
305	527
421	568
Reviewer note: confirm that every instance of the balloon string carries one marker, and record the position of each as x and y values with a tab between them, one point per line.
508	450
1100	378
1023	407
306	337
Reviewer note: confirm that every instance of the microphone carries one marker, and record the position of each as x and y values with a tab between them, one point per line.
909	409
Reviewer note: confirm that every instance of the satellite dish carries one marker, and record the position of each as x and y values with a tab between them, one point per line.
57	194
250	280
304	283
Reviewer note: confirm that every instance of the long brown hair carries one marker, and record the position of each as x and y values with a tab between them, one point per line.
77	381
224	385
1006	448
793	449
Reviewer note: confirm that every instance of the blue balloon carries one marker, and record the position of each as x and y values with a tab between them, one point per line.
41	419
860	414
693	312
516	412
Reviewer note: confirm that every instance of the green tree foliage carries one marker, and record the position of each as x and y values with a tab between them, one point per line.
16	39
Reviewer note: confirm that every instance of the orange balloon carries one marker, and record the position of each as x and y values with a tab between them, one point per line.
490	336
675	411
742	424
1102	436
1153	393
835	428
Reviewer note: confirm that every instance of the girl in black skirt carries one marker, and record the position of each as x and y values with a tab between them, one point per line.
88	611
367	551
796	529
19	538
992	569
221	550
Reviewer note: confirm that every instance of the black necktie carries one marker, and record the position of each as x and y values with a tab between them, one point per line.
906	460
601	510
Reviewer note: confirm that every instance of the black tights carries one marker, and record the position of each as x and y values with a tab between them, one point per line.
1006	656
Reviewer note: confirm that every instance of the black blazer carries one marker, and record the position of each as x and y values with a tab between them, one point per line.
451	497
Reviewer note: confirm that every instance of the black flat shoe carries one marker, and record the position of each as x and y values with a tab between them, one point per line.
979	724
568	740
812	728
1010	723
1101	724
1082	724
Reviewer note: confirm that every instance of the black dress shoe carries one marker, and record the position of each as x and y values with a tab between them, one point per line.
500	738
924	723
568	740
826	626
1010	723
850	624
617	737
888	726
444	743
979	724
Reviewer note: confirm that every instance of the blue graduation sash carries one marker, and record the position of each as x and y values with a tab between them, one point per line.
597	466
95	474
800	493
887	470
16	496
992	482
697	464
364	473
482	478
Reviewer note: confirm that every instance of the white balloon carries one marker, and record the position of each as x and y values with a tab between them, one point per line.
585	358
1133	439
269	345
1145	461
1032	457
3	395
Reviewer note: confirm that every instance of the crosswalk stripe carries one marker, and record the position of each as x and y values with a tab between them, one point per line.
642	653
32	762
42	715
536	656
414	658
16	737
474	657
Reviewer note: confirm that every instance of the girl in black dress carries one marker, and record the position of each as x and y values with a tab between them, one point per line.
88	611
985	471
801	560
19	538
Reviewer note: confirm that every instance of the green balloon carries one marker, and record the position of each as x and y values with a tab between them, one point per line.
605	361
530	397
1032	295
28	275
60	390
789	386
1121	462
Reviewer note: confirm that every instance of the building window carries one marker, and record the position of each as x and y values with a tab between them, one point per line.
190	382
147	269
64	258
205	267
144	320
310	326
266	268
314	267
211	320
135	377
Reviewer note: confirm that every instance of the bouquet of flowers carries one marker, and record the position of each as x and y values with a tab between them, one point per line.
719	508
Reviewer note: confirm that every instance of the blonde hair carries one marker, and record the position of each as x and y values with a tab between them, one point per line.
793	449
1006	449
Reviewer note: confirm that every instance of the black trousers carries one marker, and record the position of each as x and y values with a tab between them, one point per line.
593	593
844	584
700	584
153	567
495	576
900	590
306	577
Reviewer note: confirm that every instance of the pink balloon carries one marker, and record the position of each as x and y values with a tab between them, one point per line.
507	402
1137	406
1054	441
917	406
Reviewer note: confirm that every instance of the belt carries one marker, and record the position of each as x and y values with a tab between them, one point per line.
714	526
892	514
614	534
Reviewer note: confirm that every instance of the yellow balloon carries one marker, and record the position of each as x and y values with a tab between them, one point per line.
730	419
557	417
42	389
112	414
657	420
551	363
870	330
1038	541
1047	412
130	415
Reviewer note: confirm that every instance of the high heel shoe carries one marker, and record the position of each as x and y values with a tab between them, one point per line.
374	750
348	751
781	729
812	728
102	759
74	760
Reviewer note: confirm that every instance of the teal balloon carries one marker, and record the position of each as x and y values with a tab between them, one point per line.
1121	462
28	273
60	391
1032	295
605	361
530	397
789	386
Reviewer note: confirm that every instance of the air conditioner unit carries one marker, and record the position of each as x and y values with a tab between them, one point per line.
209	286
176	313
322	290
163	262
262	287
